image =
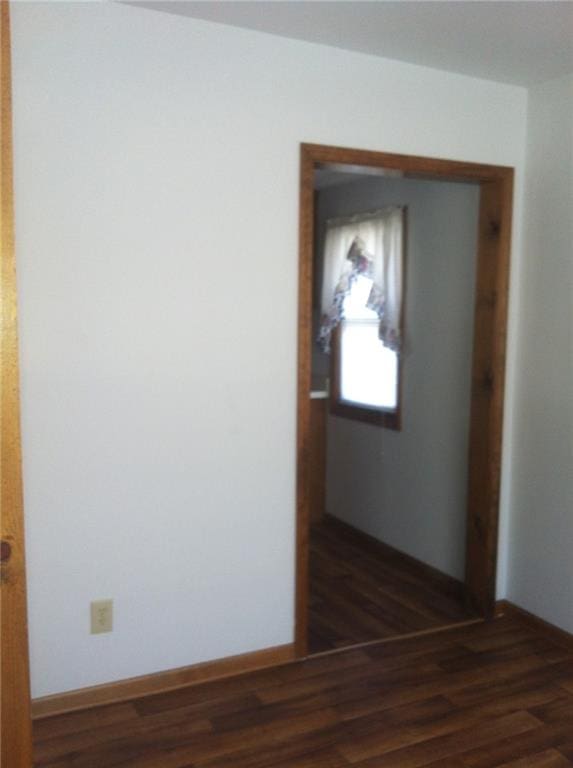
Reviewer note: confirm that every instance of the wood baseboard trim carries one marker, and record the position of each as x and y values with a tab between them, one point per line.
160	682
559	636
428	573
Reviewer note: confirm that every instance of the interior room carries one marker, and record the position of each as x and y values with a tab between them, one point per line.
401	485
169	181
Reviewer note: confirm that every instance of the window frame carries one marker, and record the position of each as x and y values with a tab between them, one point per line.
387	418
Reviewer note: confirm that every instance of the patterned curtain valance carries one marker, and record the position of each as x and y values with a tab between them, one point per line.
370	246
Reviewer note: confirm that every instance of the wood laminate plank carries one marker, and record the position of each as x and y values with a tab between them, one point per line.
557	635
566	749
89	719
363	590
518	747
549	758
479	696
447	745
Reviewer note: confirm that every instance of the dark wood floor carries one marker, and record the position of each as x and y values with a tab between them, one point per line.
481	696
363	590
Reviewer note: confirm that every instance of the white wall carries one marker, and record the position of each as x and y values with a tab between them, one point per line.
156	187
409	488
540	562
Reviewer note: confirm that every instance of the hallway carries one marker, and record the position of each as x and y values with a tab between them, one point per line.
363	590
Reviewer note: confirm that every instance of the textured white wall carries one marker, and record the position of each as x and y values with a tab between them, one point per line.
156	187
409	488
540	562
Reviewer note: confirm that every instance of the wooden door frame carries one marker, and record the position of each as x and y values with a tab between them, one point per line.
488	362
16	725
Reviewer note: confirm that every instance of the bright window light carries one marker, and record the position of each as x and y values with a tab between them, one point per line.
368	369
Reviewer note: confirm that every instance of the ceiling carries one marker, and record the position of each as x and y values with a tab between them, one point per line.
335	175
514	41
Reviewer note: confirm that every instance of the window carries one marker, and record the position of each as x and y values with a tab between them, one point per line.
365	375
368	369
362	315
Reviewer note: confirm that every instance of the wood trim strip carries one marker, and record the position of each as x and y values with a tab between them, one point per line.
16	750
317	469
406	636
303	436
427	573
557	635
412	166
160	682
488	377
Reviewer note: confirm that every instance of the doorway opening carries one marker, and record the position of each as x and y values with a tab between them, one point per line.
365	392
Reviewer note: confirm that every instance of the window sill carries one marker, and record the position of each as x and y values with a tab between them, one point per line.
374	416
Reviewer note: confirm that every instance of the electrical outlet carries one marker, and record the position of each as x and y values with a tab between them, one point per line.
102	616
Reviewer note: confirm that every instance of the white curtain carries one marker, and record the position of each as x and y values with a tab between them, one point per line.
369	245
